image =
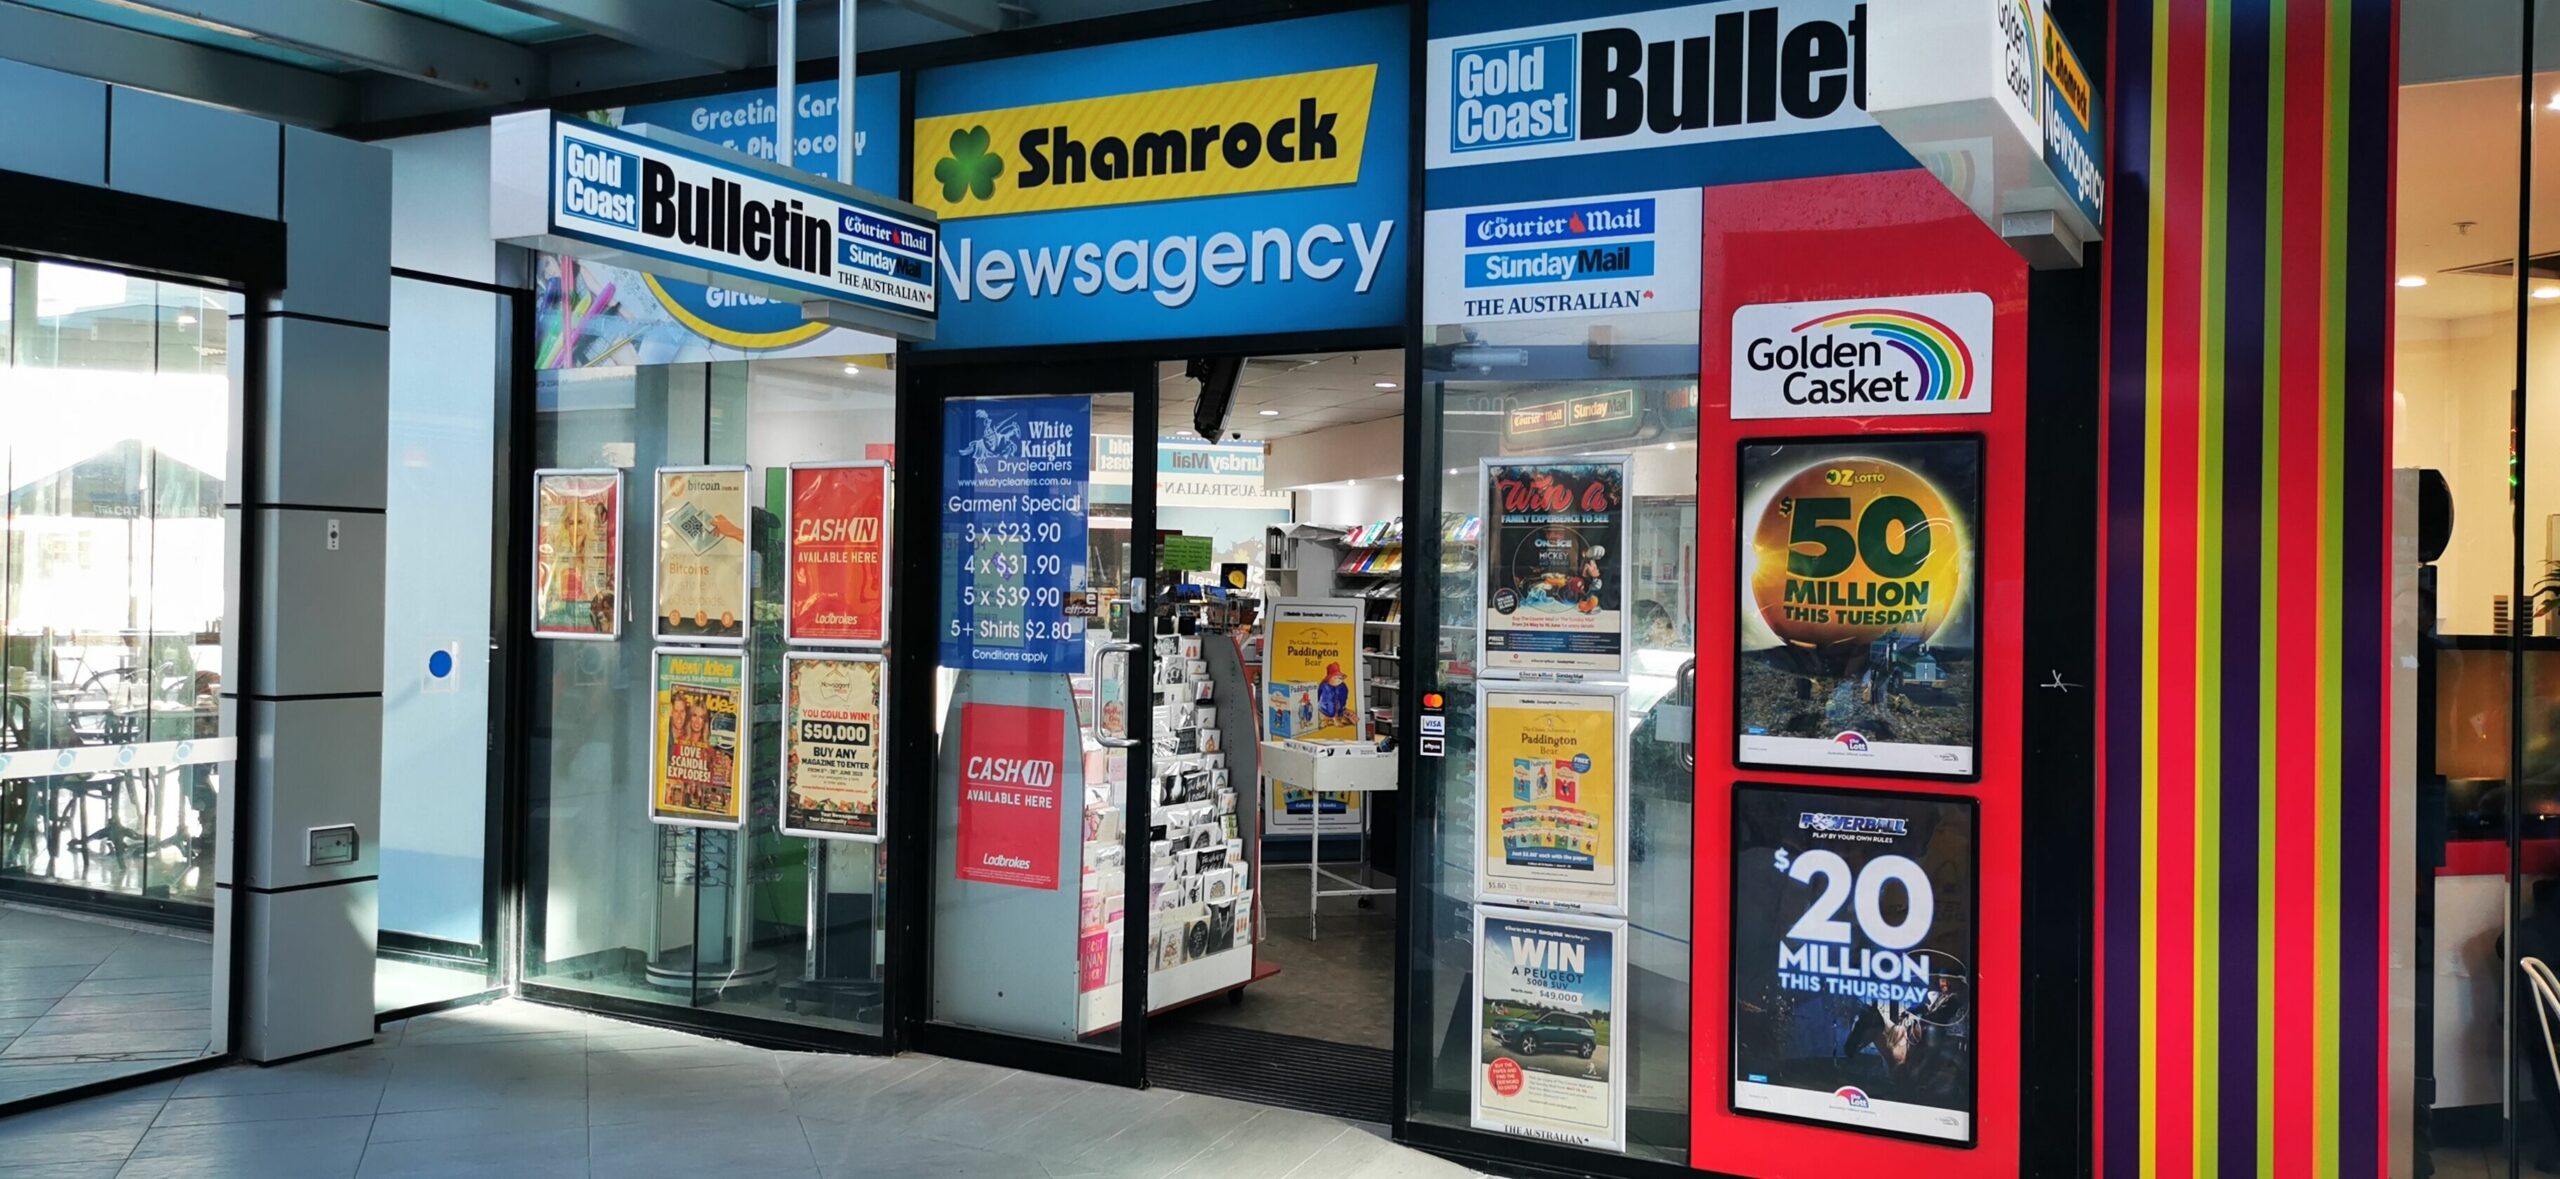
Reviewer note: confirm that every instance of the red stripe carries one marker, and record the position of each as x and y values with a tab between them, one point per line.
2298	628
2181	193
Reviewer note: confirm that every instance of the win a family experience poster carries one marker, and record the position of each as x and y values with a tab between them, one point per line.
577	554
1548	1059
1853	951
834	727
1554	562
697	750
1857	645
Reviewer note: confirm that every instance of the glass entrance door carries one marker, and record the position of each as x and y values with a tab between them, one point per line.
1035	905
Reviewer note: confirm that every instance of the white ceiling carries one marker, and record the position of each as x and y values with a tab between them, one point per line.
2458	178
1306	393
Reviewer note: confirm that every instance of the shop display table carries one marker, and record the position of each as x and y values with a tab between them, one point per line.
1328	767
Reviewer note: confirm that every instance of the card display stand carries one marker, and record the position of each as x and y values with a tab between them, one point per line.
1328	767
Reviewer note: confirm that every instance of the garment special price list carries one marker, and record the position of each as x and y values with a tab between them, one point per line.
1014	532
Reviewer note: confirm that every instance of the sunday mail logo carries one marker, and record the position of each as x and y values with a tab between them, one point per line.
1633	253
1902	356
1674	76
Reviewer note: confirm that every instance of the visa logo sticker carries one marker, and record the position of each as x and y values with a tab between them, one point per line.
1605	256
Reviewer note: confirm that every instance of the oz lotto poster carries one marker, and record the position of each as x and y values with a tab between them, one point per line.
1549	1064
1857	637
1554	568
698	753
1853	953
1015	472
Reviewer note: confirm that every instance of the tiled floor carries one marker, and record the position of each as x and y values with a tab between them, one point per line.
400	985
512	1089
83	1001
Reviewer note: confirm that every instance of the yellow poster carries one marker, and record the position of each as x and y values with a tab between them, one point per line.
701	589
697	747
1551	823
1311	691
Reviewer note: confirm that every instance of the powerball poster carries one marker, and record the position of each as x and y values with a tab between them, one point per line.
839	529
697	748
1553	573
1853	951
1549	1062
1856	645
702	554
834	729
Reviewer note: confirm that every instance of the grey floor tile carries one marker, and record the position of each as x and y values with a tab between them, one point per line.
21	1080
23	953
39	982
1012	1100
195	999
85	1146
552	1151
26	1008
92	1170
723	1143
195	982
138	959
410	1094
1076	1124
269	1107
904	1156
276	1161
11	1029
1269	1146
111	1112
360	1068
305	1146
511	1118
1167	1138
188	1018
109	1043
744	1091
696	1054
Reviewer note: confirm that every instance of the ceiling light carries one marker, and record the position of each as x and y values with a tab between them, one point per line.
2413	281
1399	478
2554	104
1271	413
2546	293
1670	446
1453	470
1386	384
186	320
853	370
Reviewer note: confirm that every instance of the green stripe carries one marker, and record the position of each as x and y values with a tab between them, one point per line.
2208	613
2271	424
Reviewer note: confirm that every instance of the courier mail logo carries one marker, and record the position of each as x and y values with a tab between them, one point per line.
1650	79
1863	358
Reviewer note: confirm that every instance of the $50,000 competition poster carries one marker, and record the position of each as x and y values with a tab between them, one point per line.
1549	988
834	722
1853	950
1856	638
1553	577
1552	829
702	554
839	529
577	554
698	739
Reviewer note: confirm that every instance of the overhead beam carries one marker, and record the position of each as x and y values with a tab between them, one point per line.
703	30
368	35
968	16
180	69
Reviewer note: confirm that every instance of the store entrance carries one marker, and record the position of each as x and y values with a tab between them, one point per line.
1116	886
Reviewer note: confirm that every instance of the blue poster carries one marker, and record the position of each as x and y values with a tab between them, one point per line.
1014	477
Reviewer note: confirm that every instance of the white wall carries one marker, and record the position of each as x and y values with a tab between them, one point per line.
2451	382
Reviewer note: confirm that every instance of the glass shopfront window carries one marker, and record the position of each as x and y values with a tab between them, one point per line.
116	394
746	921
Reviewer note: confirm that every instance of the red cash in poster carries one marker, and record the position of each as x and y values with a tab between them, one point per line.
839	529
1011	763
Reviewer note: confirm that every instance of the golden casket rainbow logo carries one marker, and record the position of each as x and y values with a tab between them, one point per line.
1944	362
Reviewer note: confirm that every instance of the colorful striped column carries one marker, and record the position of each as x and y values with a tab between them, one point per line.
2246	468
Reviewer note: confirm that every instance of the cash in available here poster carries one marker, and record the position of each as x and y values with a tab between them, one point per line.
577	554
1857	645
834	725
1553	574
1553	830
839	529
697	748
1853	943
1549	989
702	554
1012	794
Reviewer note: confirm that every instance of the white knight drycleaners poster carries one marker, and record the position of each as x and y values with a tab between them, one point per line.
1549	989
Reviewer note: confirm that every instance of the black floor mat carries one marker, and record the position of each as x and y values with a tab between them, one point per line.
1268	1068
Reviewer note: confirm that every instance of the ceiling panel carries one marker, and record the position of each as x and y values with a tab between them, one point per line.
178	30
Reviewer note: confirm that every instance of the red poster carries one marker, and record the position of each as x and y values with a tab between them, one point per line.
839	554
1010	766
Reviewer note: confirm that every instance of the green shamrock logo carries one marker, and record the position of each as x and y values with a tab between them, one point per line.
970	169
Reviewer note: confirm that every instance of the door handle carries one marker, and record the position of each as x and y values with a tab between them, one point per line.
1101	732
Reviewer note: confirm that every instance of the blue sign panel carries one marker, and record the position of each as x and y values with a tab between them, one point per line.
1237	181
1015	474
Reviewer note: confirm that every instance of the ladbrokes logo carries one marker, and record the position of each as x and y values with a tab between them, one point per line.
1257	135
1862	358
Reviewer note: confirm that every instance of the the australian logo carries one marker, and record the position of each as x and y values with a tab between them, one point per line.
1674	75
628	191
1609	239
1860	358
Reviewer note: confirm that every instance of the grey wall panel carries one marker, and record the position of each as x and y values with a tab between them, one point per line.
319	626
193	154
440	204
328	404
311	954
321	760
69	139
337	203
